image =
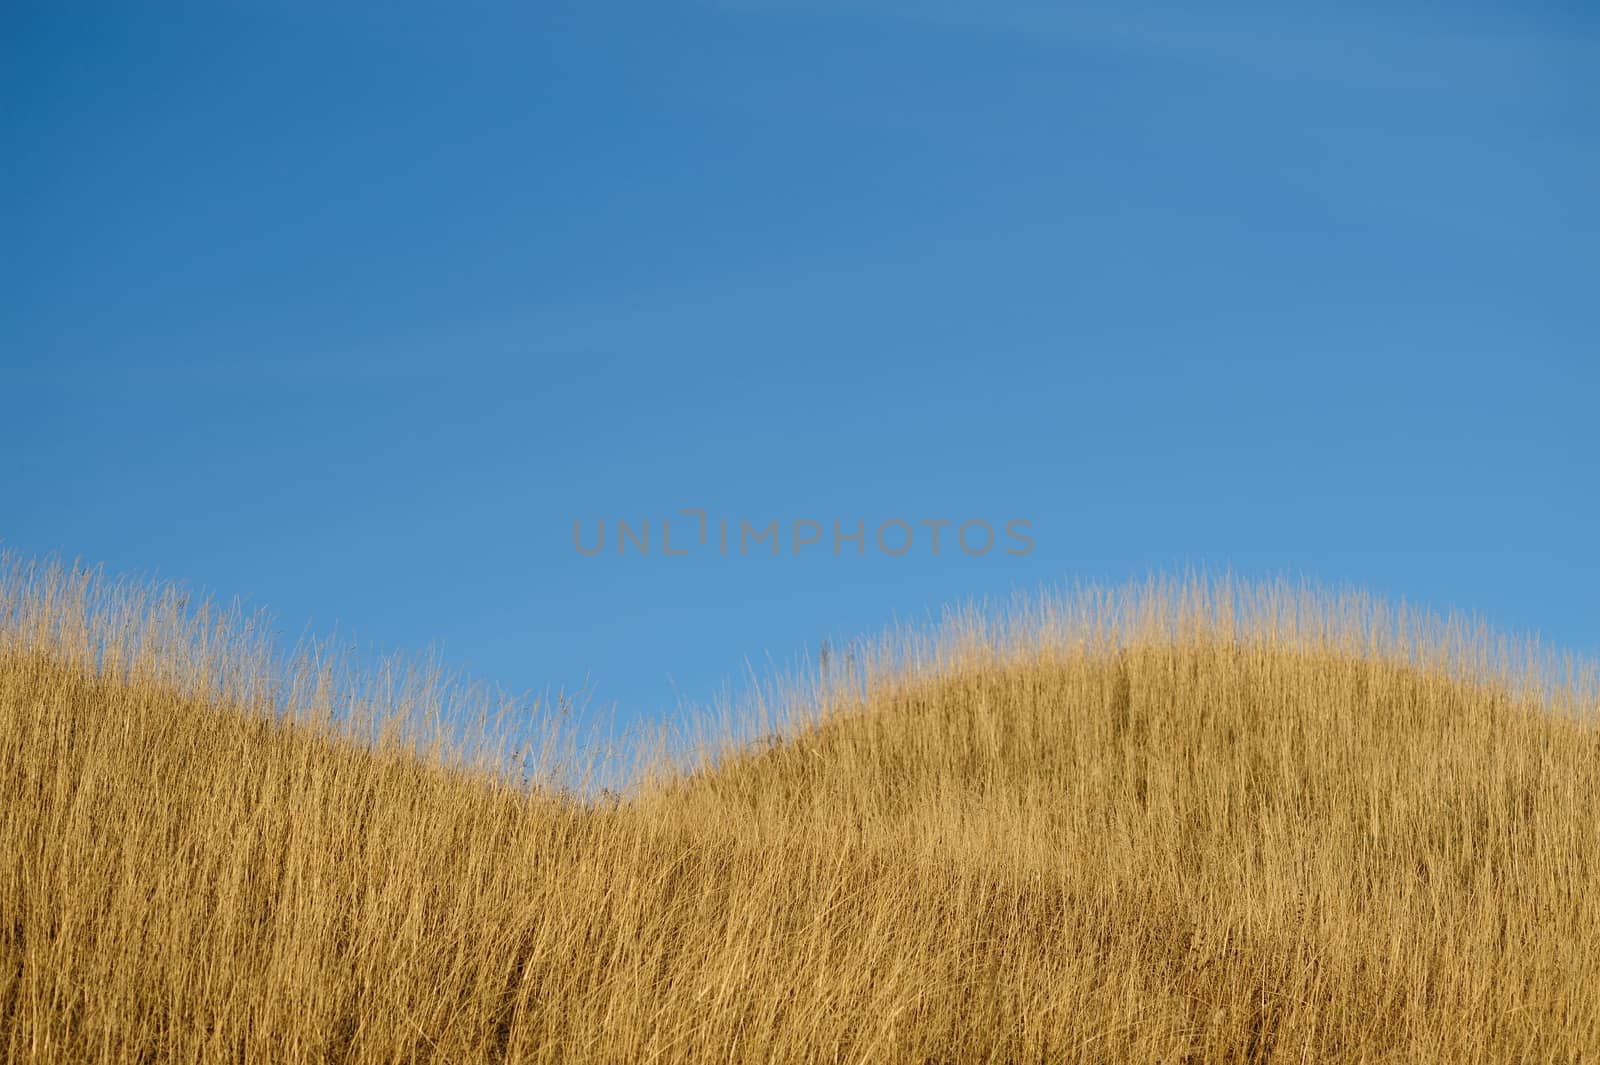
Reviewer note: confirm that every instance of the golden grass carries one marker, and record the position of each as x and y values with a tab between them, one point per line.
1185	822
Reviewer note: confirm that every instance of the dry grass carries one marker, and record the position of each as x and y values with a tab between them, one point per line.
1183	822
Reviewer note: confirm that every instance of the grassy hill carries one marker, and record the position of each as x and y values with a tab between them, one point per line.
1185	822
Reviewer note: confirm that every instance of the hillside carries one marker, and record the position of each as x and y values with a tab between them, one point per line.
1163	825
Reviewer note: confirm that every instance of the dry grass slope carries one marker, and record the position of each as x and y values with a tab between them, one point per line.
1180	823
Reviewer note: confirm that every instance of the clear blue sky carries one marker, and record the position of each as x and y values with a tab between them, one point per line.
354	314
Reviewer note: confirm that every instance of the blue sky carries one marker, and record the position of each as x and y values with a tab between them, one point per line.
353	315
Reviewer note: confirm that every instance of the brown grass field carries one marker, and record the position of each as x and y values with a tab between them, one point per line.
1185	821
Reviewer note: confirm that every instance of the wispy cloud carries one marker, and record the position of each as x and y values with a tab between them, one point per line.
1372	50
